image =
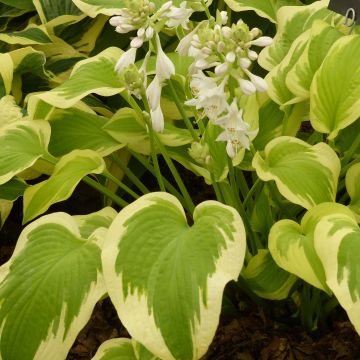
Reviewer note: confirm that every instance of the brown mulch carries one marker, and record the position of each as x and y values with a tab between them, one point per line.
249	337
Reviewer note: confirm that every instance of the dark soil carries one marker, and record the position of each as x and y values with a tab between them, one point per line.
253	336
253	333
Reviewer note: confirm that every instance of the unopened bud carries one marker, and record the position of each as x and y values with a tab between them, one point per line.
252	55
262	41
245	63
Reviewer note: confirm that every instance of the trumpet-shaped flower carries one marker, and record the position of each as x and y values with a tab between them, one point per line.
153	93
164	66
157	119
126	59
213	102
236	132
178	16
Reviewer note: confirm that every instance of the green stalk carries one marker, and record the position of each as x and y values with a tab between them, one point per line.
215	185
206	10
188	201
242	184
168	185
138	110
347	166
134	179
112	178
94	184
349	154
182	112
251	192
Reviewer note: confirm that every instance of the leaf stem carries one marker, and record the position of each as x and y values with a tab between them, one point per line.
182	111
101	188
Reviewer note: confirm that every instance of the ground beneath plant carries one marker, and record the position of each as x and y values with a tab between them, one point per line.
252	333
253	336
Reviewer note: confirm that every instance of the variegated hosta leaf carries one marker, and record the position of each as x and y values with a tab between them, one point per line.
276	78
266	279
337	242
352	181
9	111
300	77
13	189
335	90
305	175
126	349
264	8
22	143
165	278
73	129
292	21
95	7
49	10
109	7
31	35
129	129
292	245
68	172
27	60
6	74
5	209
94	75
48	289
20	4
89	223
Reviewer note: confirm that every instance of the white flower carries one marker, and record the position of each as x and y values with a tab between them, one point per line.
164	66
124	28
213	101
247	87
153	93
149	32
221	69
262	41
178	16
224	17
126	59
200	83
258	81
230	57
252	55
157	119
236	132
136	42
244	63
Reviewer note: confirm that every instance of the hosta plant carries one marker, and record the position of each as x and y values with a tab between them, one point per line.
131	95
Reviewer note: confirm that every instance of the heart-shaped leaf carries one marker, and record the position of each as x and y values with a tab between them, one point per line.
305	175
48	289
337	242
165	278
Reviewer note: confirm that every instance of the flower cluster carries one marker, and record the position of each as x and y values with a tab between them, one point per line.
227	52
141	15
